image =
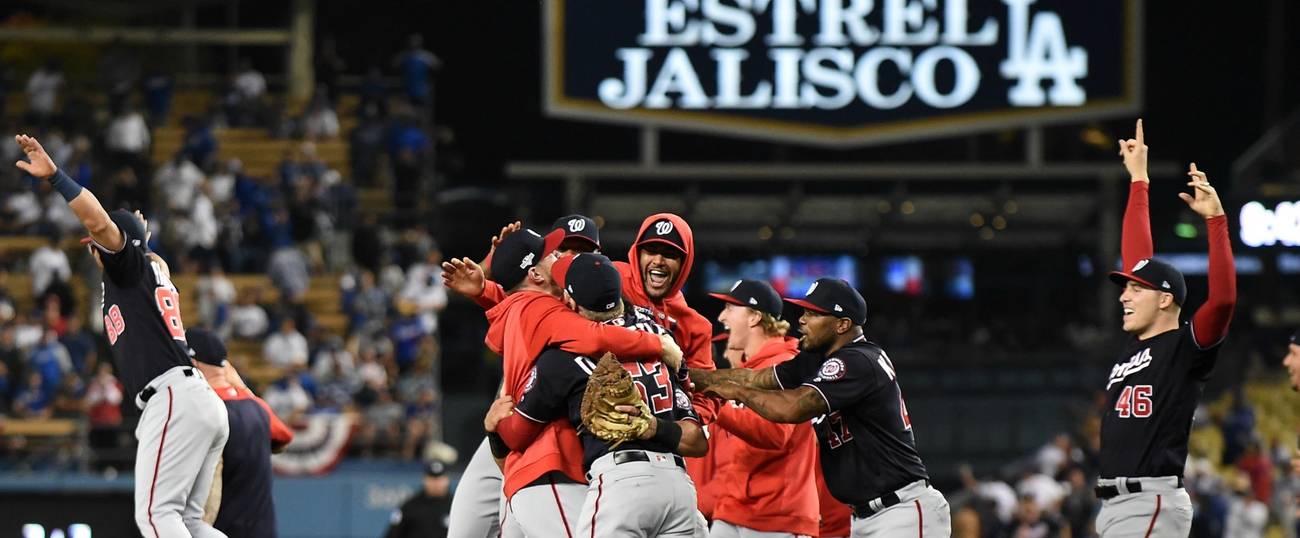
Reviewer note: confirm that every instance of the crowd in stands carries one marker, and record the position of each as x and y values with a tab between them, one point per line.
211	221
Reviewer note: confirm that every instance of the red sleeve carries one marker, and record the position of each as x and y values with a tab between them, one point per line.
518	432
492	294
696	337
1136	240
573	333
753	429
1210	324
281	434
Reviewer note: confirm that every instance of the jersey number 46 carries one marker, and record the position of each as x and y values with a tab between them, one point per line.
1134	401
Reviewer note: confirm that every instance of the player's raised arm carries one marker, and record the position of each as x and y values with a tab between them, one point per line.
1136	240
81	200
1210	323
758	379
783	406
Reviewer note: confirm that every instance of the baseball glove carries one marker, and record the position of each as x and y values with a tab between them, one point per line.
609	386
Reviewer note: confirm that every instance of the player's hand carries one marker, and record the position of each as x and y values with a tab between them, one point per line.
701	379
671	354
464	277
41	166
1134	151
496	241
503	407
1204	200
147	232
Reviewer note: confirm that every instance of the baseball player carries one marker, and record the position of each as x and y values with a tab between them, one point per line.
529	320
617	503
765	471
475	508
1154	386
836	519
848	387
182	427
241	498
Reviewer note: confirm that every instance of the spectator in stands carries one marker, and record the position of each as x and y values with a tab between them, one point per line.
6	387
421	423
370	370
43	93
1031	521
286	348
288	399
381	429
1080	505
197	228
22	211
409	149
221	185
330	358
288	271
80	345
32	400
48	265
320	122
407	332
214	294
199	146
157	88
51	361
119	72
424	287
69	398
248	320
250	82
1255	464
127	140
366	144
365	305
104	403
417	66
368	244
57	217
79	166
1247	516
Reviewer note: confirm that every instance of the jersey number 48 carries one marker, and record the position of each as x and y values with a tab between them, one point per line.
1134	401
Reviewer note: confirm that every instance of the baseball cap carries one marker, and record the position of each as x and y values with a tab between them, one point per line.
579	227
1295	337
205	346
132	228
755	294
663	231
591	279
834	297
519	252
435	468
1154	274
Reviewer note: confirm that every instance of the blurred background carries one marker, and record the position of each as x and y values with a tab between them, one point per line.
306	165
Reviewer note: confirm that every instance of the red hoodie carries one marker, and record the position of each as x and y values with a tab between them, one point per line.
767	483
520	328
693	332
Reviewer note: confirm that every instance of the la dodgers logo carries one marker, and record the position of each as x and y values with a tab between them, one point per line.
1138	362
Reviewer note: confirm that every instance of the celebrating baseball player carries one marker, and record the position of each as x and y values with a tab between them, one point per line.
848	387
476	506
1154	386
623	463
544	484
183	425
776	463
241	498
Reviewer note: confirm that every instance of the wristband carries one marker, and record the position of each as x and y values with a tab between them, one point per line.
65	185
498	445
668	434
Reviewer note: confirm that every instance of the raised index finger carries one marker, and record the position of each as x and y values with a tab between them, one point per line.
1141	138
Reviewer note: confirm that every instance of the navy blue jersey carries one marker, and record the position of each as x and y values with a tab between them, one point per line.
246	506
1151	395
142	316
559	378
866	443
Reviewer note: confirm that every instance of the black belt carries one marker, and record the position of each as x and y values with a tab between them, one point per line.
629	456
148	392
1134	486
887	500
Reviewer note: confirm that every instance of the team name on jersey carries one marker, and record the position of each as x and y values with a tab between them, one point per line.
664	320
1138	362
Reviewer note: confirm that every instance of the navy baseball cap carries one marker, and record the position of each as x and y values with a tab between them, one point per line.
663	231
755	294
579	228
591	279
1295	338
834	297
435	468
519	252
1154	274
132	228
205	346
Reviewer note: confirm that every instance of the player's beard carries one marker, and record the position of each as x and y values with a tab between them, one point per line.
818	347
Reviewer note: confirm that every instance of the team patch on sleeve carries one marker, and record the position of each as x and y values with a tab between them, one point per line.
682	400
831	370
532	380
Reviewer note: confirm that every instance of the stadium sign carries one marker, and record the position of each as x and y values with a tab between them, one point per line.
1264	227
841	72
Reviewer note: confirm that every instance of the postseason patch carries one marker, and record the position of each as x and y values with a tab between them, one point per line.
831	370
